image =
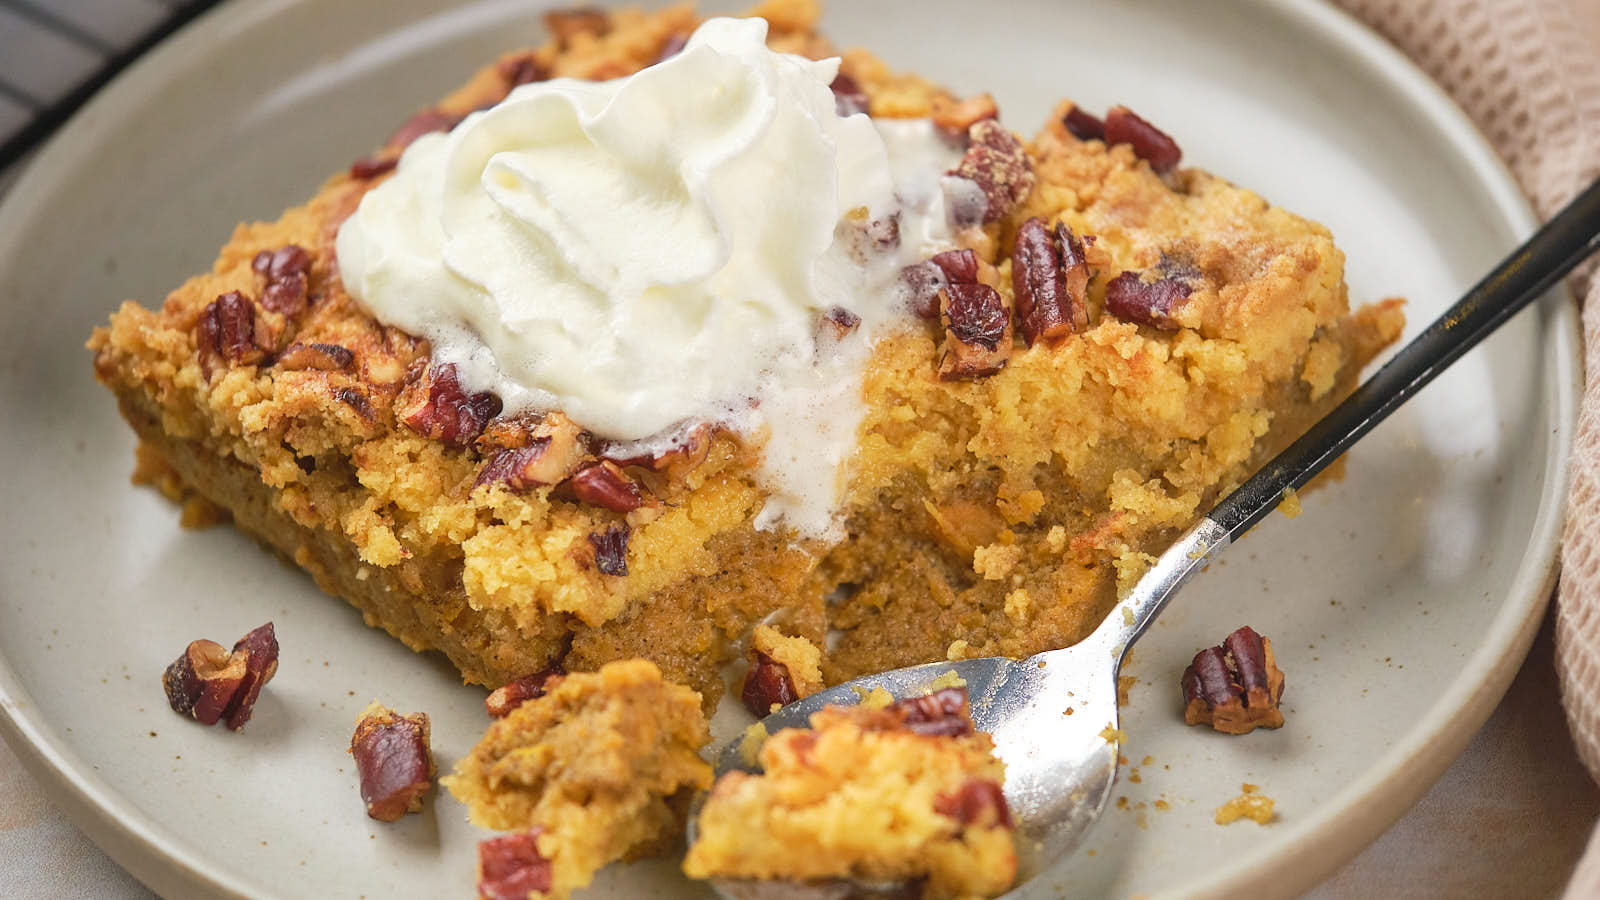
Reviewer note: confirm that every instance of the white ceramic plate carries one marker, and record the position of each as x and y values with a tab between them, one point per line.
1401	602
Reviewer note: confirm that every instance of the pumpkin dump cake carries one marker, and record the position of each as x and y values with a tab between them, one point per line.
600	768
903	792
579	368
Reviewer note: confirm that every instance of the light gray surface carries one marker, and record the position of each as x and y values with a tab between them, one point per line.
1399	574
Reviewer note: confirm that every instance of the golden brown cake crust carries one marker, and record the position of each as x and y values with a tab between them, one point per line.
997	515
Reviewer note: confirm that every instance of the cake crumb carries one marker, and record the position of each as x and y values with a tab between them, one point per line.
750	744
1290	505
957	650
1250	804
947	680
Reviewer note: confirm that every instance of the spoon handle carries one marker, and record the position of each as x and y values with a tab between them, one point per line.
1553	251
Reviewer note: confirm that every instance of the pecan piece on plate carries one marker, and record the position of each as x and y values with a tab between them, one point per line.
767	685
511	868
997	163
611	549
394	761
942	713
1153	303
436	406
1234	687
1050	278
1149	143
508	697
977	334
979	801
211	684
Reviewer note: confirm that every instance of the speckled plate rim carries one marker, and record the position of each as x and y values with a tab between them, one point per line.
1339	829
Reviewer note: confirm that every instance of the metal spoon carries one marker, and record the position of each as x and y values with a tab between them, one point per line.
1054	715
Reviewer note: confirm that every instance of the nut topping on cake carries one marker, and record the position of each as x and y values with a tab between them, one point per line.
998	164
603	484
1234	687
226	333
767	685
977	332
956	117
848	97
508	697
611	549
435	405
326	357
211	684
573	21
285	275
1132	299
394	761
1083	125
521	69
1050	278
510	867
1151	144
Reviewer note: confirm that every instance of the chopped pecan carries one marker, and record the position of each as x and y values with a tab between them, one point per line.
285	275
611	549
393	760
996	161
507	432
686	450
1149	143
421	123
511	868
922	282
212	684
326	357
202	681
260	649
979	801
573	21
508	697
1234	687
435	405
977	332
604	484
956	117
521	69
1083	125
356	399
958	266
226	333
848	97
837	323
372	166
554	450
943	713
1132	299
674	45
1050	278
767	685
882	234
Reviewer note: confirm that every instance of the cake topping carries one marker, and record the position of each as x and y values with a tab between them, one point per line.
508	697
436	405
226	333
611	549
767	685
1132	299
510	867
657	249
1124	126
1050	278
997	164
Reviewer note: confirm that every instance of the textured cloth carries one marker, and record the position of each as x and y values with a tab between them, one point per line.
1527	72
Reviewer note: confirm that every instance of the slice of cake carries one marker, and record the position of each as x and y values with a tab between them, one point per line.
600	768
665	329
907	792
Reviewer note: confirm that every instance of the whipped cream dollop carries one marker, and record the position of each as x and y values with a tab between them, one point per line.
660	250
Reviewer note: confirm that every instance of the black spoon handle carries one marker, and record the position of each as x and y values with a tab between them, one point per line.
1552	252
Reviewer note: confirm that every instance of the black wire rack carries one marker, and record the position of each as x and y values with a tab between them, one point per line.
55	54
